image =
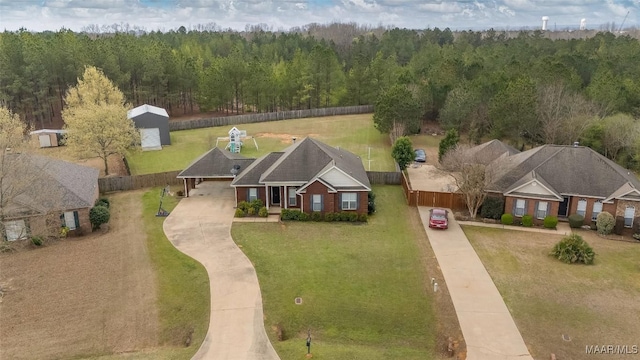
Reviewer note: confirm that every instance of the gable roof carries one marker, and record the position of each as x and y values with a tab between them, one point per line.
143	109
251	175
569	170
487	152
215	163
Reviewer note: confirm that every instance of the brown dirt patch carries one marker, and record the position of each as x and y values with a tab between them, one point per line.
116	165
82	296
429	178
284	138
446	318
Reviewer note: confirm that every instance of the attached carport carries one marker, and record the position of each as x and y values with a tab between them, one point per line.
214	165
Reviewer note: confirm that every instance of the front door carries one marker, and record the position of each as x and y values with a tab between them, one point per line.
563	209
275	195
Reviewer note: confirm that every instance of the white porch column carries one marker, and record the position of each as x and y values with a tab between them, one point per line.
186	190
266	196
286	195
235	194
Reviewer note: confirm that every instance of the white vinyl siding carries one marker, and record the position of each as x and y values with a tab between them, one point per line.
520	207
541	211
292	196
349	201
629	214
15	230
582	207
597	209
316	203
253	194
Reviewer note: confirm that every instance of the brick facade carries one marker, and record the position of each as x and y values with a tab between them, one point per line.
621	206
243	193
331	201
530	208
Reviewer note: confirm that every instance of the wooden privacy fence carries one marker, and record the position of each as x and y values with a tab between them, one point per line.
264	117
121	183
453	201
384	177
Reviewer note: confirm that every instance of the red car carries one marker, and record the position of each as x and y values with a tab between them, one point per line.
438	218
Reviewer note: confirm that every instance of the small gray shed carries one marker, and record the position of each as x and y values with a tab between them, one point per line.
153	123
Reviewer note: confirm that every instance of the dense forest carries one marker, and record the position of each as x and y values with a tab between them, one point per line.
478	82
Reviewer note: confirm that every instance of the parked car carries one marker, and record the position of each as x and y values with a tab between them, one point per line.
421	155
439	219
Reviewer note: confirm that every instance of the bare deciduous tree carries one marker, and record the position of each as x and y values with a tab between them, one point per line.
472	176
620	132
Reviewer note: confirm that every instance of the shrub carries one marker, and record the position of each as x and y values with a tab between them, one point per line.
239	213
506	219
550	222
256	205
371	203
402	152
576	221
263	212
287	214
344	216
251	211
619	225
353	217
329	217
180	193
363	217
492	208
447	143
103	202
573	249
303	216
605	223
316	216
64	231
98	215
527	220
243	205
36	240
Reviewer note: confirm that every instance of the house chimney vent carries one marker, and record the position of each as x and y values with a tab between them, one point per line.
294	139
576	144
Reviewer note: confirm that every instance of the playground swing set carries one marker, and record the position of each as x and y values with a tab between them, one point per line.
236	140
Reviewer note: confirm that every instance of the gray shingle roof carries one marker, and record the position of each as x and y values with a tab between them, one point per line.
487	152
215	163
575	170
251	175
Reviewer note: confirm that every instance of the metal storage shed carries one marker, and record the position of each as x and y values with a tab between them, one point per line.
153	123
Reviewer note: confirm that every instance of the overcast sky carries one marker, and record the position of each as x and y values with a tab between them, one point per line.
38	15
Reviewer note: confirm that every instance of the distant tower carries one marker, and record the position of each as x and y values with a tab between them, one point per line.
545	20
583	24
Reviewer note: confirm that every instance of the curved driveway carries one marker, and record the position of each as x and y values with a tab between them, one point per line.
200	227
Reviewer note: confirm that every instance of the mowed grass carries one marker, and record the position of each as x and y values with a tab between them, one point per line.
593	305
352	132
183	286
362	286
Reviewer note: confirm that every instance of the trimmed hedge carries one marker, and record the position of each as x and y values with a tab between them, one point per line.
99	215
605	223
103	202
550	222
297	215
576	221
527	220
506	219
492	208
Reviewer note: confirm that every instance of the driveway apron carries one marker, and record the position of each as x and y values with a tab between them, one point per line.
200	227
488	328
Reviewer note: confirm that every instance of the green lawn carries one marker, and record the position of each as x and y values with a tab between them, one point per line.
593	305
352	132
363	286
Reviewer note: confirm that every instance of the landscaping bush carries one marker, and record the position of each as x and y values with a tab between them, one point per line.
303	216
329	217
180	193
251	211
619	225
353	217
527	220
263	212
492	208
98	215
316	216
344	216
576	221
506	219
103	202
573	249
550	222
371	203
239	213
36	240
256	205
363	217
287	214
605	223
243	205
64	231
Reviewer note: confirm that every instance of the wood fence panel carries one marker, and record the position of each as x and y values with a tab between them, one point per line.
384	177
123	183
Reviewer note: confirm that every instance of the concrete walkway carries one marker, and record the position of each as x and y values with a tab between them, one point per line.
200	227
488	328
561	229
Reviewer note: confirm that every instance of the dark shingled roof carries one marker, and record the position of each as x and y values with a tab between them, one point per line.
575	170
487	152
215	163
251	175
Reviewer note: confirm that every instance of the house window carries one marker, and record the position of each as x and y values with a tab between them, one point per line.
70	220
316	203
541	211
582	207
253	194
15	230
349	201
597	209
520	207
292	196
629	214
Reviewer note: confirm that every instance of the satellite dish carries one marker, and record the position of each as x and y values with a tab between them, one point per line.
235	170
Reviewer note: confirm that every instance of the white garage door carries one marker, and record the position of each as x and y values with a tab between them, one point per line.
45	140
15	230
150	139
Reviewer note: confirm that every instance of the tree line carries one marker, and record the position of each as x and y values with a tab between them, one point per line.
528	87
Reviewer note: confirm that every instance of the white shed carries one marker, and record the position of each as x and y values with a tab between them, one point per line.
49	137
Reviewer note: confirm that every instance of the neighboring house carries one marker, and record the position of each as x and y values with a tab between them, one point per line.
562	180
153	124
308	175
60	191
491	150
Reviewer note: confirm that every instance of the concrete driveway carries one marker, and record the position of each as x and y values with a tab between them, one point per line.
200	227
488	328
